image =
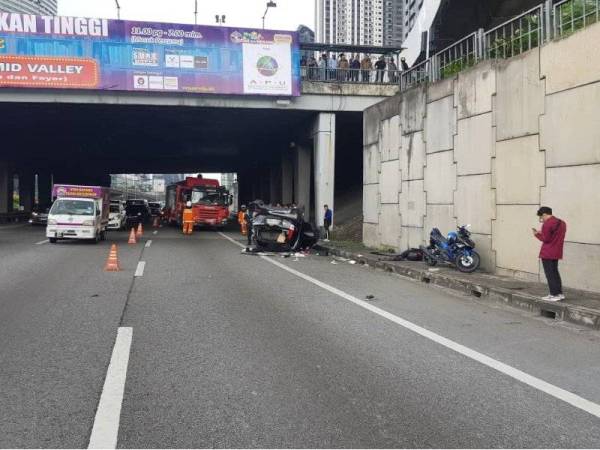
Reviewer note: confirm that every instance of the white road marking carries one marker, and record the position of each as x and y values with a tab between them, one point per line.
148	244
106	423
155	232
550	389
139	271
45	241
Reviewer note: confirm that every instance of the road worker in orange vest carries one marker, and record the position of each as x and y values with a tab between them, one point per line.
188	219
242	220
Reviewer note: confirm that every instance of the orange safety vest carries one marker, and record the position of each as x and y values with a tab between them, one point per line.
188	215
241	218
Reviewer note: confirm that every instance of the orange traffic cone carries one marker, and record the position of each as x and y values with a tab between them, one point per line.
132	237
112	263
140	231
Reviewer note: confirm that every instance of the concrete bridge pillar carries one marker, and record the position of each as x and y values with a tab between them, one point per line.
302	168
287	178
26	190
275	185
324	163
44	187
5	188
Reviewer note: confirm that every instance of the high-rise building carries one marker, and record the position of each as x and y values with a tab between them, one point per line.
40	7
364	22
411	13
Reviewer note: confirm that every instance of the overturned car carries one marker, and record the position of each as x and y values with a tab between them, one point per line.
282	229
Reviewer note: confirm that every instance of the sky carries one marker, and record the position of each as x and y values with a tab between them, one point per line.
240	13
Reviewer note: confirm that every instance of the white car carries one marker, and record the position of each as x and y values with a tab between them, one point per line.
116	216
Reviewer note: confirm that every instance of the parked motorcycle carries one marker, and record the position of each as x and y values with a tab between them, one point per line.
282	229
456	249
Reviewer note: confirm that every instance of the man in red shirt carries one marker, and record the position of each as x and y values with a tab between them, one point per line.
552	236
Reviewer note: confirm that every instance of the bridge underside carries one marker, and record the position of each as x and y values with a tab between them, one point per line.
279	155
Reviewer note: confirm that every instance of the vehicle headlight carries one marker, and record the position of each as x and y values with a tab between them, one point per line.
52	222
34	214
88	223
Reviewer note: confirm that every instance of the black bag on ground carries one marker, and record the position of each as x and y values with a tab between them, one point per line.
412	254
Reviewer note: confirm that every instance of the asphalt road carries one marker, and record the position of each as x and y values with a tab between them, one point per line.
230	350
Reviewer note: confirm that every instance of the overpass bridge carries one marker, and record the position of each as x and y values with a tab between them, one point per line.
284	149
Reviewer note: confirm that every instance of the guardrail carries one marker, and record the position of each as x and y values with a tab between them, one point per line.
457	57
516	36
572	15
417	74
356	76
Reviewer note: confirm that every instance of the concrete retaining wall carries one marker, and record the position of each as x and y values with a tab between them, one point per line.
488	148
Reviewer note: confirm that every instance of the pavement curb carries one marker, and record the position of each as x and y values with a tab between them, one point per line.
562	311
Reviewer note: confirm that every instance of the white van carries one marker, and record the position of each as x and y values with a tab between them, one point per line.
79	212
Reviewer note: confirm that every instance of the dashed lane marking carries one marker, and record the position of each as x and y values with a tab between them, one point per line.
148	244
550	389
139	271
45	241
155	232
108	415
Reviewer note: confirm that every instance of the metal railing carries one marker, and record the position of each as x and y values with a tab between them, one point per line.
417	74
456	57
516	36
356	76
572	15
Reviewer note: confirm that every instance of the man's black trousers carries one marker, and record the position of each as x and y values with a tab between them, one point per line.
552	275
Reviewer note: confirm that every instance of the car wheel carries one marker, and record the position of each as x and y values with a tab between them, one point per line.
52	240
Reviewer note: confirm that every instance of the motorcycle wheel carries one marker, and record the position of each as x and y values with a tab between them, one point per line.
468	263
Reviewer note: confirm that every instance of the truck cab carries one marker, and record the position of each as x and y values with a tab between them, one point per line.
210	202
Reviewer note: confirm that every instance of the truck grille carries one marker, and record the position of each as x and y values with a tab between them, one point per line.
208	214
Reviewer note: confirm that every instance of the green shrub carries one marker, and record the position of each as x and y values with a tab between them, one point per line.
577	14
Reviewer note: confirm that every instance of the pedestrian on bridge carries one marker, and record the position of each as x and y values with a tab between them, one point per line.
380	65
404	64
366	66
355	68
323	67
343	66
332	65
188	218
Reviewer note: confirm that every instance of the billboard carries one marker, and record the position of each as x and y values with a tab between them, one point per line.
80	53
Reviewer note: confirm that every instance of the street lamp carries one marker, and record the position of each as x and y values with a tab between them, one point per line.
196	12
118	9
270	4
220	18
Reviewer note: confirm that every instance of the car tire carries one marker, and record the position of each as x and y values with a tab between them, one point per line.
52	240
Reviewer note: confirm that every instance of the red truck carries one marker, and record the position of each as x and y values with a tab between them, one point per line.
210	202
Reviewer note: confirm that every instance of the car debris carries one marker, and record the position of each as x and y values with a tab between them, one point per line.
282	229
